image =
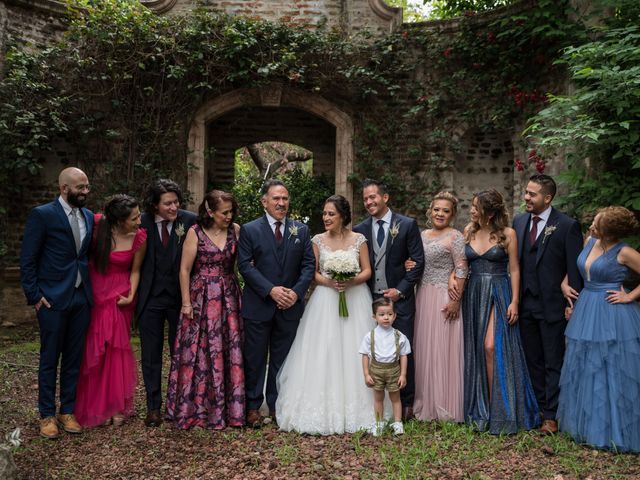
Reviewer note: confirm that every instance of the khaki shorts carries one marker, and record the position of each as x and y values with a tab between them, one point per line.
385	375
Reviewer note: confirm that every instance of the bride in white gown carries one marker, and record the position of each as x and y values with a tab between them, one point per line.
321	388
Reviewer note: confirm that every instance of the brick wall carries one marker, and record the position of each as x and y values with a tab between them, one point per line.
254	125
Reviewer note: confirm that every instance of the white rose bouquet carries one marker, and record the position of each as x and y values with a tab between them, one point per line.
342	266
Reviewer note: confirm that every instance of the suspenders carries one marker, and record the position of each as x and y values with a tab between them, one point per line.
373	344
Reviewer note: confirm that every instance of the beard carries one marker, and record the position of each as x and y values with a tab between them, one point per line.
76	199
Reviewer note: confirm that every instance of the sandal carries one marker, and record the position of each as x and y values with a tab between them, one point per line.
118	420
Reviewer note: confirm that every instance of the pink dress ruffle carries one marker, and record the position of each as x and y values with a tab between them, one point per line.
107	381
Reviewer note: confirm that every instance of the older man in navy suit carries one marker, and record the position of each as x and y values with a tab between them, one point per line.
277	263
393	238
549	243
55	278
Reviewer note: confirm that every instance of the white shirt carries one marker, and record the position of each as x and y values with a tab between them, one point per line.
80	216
272	224
159	220
385	347
386	225
544	218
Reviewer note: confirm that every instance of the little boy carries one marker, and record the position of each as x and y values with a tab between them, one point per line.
384	364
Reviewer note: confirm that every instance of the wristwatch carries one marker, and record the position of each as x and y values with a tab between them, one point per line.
400	294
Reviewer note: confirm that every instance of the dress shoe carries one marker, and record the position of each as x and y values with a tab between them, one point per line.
69	423
407	413
49	428
118	420
254	419
154	419
272	414
549	427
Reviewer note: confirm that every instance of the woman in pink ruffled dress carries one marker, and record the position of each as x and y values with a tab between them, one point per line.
108	378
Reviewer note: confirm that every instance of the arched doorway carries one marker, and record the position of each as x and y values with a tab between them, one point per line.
274	97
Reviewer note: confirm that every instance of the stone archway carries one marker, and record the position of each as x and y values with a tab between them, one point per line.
271	96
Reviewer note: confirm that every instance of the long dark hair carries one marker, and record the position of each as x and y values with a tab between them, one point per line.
116	210
160	187
342	207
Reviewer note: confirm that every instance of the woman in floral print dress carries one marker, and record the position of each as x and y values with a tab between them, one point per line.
206	382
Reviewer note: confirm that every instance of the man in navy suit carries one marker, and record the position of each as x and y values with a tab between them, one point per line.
392	239
159	292
55	278
277	263
549	243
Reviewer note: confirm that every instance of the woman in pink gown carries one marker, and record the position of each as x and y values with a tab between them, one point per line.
438	339
108	378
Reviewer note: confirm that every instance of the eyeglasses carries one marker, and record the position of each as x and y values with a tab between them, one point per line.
80	187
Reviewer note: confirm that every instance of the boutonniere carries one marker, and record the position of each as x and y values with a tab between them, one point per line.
180	231
548	231
293	231
394	230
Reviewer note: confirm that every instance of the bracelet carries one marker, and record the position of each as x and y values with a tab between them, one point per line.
190	306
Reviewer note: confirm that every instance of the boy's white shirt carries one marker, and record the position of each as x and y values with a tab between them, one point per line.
385	344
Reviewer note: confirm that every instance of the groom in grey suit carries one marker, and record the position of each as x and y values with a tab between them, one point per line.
393	238
277	263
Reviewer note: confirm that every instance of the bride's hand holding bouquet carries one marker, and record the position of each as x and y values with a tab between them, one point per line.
342	266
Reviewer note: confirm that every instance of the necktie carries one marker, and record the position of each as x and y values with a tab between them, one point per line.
278	233
75	228
165	233
533	233
381	235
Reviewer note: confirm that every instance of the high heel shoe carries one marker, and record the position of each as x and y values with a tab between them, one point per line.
118	420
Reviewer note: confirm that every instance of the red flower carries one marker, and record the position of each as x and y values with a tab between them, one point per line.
532	154
519	165
405	34
491	37
447	52
422	99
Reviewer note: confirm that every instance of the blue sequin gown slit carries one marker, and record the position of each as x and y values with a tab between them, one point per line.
513	405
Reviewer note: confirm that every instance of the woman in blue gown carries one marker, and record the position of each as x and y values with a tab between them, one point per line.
600	380
498	395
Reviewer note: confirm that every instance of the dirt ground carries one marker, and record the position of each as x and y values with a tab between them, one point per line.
428	450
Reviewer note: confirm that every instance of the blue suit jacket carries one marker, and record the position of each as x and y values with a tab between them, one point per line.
262	270
557	256
406	244
48	260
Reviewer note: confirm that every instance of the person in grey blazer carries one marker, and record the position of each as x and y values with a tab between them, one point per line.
393	238
159	296
276	260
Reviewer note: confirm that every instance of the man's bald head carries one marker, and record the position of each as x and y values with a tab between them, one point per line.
74	186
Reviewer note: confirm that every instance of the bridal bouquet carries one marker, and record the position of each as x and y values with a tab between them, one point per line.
342	266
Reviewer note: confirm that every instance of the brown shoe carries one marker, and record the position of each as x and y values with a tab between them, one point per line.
118	420
274	419
69	423
154	419
254	419
549	427
49	428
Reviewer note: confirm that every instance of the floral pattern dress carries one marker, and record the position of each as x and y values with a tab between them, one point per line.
206	382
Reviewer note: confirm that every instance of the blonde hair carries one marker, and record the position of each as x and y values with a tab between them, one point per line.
444	196
492	211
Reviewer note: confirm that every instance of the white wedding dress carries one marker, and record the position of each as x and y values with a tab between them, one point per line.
321	388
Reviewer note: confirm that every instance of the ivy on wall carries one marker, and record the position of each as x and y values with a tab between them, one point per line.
119	90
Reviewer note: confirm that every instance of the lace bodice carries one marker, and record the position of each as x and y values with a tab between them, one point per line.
442	255
325	250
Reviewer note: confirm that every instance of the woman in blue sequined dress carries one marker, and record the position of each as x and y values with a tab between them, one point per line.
498	396
600	380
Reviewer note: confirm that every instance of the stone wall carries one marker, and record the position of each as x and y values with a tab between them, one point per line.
348	15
